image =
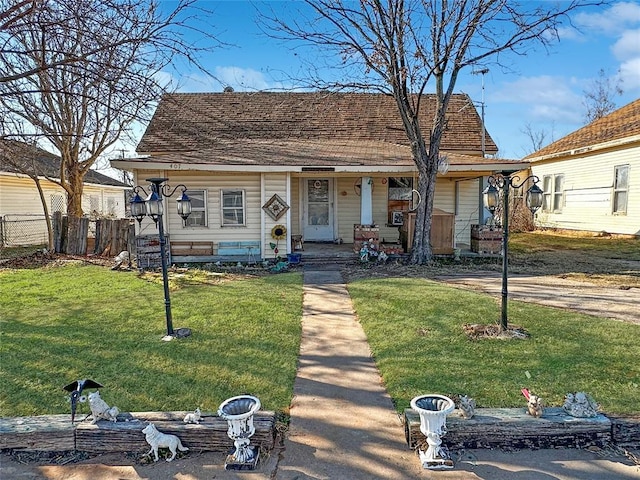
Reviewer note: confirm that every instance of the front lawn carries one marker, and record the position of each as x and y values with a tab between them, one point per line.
414	328
60	324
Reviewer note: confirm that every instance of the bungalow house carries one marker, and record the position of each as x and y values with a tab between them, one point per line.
328	167
591	177
21	213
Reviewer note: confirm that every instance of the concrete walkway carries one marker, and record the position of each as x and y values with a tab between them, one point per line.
343	424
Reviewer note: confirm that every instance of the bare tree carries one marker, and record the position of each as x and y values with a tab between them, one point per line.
79	73
598	97
538	138
405	47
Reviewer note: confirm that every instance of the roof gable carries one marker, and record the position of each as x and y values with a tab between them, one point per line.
618	125
188	122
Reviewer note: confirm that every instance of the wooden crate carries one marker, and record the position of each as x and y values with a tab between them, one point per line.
442	231
486	239
365	233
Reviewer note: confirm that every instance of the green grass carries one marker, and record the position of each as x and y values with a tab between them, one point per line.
604	247
414	328
65	323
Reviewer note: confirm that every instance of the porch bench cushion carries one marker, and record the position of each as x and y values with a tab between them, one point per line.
184	248
238	248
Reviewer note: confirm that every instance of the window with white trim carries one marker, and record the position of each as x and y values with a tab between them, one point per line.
232	204
198	217
620	189
552	193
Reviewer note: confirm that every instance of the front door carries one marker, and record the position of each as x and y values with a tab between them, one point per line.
318	210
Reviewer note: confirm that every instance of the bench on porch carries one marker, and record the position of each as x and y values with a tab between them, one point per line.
192	248
239	248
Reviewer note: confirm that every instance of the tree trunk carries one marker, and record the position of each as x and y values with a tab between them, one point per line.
74	189
45	209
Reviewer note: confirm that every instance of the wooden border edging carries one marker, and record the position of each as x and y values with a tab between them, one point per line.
514	428
56	433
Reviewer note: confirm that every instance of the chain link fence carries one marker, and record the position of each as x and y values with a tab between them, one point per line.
23	230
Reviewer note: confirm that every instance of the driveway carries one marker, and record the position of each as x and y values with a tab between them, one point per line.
609	302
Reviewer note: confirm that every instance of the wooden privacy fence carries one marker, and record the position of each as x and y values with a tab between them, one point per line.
71	235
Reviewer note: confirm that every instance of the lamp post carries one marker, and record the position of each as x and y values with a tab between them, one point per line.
491	196
152	207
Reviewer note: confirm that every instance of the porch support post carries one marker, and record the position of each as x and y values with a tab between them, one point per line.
366	201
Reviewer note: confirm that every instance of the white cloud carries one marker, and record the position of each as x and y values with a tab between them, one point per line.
630	74
545	98
620	16
628	45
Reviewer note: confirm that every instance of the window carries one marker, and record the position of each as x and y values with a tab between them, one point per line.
558	192
232	202
198	217
400	193
552	193
620	189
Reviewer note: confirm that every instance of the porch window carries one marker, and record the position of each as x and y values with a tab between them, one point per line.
233	207
198	217
620	189
399	193
553	193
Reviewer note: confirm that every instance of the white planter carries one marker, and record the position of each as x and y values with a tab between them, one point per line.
433	410
238	412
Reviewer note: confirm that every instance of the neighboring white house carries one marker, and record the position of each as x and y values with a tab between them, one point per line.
21	212
591	177
320	164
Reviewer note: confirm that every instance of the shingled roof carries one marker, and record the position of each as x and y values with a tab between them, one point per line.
622	124
46	163
297	129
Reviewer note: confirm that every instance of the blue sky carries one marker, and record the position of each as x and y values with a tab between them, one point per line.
544	89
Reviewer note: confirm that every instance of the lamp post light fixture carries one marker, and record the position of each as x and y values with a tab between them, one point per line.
152	206
491	196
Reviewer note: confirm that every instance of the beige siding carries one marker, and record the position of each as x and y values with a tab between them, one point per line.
274	184
588	192
212	184
468	210
20	201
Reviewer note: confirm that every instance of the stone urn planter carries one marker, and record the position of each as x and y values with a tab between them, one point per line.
433	410
238	412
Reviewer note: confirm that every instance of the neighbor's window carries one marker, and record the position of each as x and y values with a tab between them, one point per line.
198	217
232	202
399	192
620	189
553	193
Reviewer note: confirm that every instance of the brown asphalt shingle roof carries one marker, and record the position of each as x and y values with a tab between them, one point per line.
620	124
45	163
297	128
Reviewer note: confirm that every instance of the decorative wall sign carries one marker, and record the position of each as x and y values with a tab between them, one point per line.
275	207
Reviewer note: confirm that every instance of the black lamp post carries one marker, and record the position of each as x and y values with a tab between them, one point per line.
152	206
491	195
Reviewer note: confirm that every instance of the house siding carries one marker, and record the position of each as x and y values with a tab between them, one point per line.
467	212
20	201
588	192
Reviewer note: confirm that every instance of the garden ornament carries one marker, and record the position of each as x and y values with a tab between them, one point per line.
467	407
158	440
76	393
580	404
123	257
534	403
193	417
100	409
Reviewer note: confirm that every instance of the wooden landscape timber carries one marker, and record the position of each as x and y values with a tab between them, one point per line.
57	433
514	428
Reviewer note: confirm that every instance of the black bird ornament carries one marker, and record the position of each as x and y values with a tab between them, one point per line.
76	393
